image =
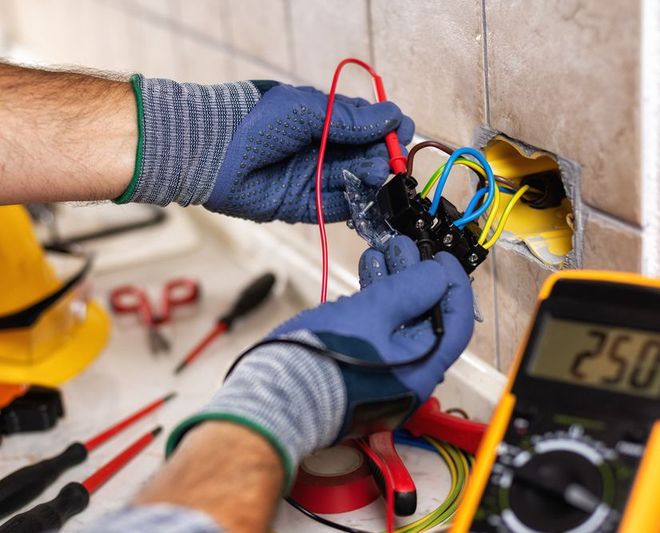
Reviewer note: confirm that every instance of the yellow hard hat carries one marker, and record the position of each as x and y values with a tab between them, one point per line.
49	329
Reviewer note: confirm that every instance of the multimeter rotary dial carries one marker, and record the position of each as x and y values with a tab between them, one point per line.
562	482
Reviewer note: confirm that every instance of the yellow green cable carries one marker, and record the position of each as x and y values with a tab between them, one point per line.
459	470
436	175
491	216
505	216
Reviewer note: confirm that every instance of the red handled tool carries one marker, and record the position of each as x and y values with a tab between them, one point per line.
429	420
392	476
22	486
250	298
403	487
74	496
133	299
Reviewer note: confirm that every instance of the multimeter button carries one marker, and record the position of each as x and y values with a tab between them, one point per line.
520	425
637	435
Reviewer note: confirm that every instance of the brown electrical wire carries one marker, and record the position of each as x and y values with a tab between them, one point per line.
426	144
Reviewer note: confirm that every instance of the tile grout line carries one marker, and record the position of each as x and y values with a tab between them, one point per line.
496	316
650	136
290	40
185	30
370	34
609	217
484	43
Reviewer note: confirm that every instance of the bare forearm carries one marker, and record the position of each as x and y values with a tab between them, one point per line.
64	136
224	470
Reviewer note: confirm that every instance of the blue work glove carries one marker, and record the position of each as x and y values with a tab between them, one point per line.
249	149
268	173
380	324
301	401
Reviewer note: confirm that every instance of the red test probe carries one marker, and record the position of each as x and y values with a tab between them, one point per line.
22	486
74	496
397	159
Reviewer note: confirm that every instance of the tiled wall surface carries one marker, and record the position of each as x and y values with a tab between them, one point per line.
558	74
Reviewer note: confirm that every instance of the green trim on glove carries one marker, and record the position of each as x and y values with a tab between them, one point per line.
126	196
189	423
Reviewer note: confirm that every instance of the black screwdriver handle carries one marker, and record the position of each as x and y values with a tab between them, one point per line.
250	298
50	516
22	486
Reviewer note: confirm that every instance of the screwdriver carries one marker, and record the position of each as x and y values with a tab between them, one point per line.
22	486
250	298
74	496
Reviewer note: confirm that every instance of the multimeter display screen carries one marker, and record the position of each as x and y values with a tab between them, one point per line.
622	360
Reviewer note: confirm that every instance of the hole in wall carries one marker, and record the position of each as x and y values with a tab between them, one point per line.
543	221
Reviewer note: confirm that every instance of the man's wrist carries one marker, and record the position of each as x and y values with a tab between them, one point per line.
293	398
184	132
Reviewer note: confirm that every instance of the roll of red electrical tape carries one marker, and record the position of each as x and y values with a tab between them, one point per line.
336	480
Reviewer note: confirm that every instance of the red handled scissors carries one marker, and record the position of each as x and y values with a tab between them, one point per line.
133	299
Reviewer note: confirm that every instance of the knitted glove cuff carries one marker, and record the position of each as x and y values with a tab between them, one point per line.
295	399
184	130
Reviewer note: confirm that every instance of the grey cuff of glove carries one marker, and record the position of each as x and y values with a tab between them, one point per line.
294	398
184	130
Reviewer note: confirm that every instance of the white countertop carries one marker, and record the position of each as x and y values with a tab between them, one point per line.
126	376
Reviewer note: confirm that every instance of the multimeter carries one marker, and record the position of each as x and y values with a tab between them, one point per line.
574	444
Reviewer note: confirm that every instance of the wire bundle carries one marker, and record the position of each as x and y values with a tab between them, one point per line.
485	197
458	464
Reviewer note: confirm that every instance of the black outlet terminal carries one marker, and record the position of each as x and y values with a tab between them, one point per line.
408	213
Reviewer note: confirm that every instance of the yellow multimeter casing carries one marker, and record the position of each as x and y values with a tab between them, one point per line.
574	444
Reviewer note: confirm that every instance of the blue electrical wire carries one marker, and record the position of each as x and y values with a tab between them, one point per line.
473	203
467	216
403	437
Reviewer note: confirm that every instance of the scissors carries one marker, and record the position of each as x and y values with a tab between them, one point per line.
133	299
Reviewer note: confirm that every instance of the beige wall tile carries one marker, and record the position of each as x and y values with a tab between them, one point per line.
518	281
611	245
431	58
564	76
159	54
244	69
484	339
323	35
162	8
259	29
207	17
202	62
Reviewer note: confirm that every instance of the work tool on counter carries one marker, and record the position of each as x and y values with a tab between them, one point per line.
133	299
34	409
74	497
248	300
336	480
574	443
24	485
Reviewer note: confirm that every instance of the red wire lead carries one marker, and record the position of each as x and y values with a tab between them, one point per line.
397	159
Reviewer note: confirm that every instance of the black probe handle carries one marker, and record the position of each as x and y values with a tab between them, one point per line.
250	298
50	516
22	486
426	252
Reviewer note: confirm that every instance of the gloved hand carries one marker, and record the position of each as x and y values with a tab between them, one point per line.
249	149
302	401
